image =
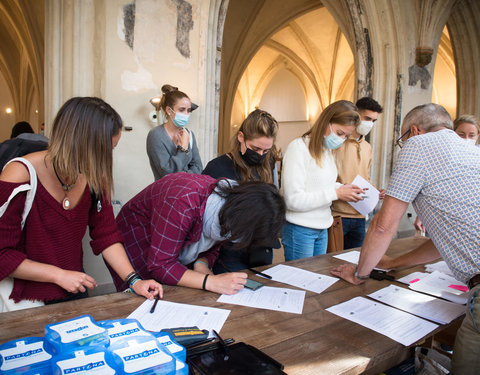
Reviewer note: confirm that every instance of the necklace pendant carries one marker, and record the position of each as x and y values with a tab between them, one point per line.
66	203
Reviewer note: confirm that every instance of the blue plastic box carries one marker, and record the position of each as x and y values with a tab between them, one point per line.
91	360
75	333
141	355
176	349
29	355
123	329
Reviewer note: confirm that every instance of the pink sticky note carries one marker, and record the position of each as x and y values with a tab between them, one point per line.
461	288
414	281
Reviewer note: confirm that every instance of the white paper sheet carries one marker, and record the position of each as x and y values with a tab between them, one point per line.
439	266
441	285
398	325
370	200
412	278
270	298
353	257
173	315
311	281
419	304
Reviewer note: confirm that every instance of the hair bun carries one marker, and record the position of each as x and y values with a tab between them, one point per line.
168	88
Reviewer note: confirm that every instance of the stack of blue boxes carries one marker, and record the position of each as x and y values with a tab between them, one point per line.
81	345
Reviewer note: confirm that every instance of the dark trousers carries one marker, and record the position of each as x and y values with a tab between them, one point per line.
353	232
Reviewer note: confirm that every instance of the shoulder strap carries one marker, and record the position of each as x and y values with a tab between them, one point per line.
31	189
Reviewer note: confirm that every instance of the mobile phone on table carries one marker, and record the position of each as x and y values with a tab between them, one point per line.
253	285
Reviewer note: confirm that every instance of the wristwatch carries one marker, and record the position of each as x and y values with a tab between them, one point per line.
180	148
360	277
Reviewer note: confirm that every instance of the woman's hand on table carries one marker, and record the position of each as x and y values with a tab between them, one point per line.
148	289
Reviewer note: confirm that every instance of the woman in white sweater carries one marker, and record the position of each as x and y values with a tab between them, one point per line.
309	178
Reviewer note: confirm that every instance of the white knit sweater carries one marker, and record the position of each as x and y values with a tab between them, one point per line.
308	189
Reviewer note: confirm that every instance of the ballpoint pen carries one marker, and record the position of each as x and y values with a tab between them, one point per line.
154	304
260	273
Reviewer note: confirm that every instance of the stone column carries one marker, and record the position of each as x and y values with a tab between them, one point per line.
74	50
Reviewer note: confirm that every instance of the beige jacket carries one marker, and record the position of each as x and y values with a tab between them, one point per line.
352	158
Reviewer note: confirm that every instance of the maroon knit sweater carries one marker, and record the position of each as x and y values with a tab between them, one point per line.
51	235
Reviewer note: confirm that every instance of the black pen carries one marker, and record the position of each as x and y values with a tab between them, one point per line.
260	273
154	304
224	346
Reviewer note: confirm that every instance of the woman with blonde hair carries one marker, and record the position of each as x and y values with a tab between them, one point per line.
309	178
41	254
467	127
251	158
171	147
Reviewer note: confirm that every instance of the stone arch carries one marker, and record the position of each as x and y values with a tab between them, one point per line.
248	24
251	34
22	54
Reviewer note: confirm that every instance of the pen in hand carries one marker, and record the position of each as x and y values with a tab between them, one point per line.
154	304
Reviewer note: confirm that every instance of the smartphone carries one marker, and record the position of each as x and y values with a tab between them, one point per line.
253	285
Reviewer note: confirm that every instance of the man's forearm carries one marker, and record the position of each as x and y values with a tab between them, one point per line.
376	243
425	253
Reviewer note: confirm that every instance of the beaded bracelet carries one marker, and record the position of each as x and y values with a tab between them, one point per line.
132	278
200	261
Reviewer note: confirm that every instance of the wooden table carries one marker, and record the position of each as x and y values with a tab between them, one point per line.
315	342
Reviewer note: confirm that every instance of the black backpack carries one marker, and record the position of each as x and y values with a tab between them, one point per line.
16	147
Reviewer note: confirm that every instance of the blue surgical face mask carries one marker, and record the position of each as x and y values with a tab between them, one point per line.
333	141
180	120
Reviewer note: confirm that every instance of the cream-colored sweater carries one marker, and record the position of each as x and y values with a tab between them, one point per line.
308	189
353	158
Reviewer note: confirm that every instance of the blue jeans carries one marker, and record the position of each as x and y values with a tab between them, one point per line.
353	232
302	242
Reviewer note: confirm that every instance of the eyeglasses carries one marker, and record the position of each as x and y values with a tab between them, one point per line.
399	142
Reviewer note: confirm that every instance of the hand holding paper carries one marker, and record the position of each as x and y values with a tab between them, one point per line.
370	196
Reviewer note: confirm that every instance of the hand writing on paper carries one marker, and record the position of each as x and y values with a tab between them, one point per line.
227	283
347	273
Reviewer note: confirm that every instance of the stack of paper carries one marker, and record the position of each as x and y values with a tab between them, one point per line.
439	266
444	286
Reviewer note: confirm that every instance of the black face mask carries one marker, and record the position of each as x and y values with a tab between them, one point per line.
253	158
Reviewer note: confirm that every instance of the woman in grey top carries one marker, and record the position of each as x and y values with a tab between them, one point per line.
171	147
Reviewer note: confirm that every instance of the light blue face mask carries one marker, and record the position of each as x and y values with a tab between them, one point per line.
180	120
333	141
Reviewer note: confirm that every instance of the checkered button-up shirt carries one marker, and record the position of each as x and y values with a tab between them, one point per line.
440	174
162	220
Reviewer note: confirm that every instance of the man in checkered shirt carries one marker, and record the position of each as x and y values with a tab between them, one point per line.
440	175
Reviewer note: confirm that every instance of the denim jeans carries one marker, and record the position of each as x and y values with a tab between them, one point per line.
302	242
353	232
466	351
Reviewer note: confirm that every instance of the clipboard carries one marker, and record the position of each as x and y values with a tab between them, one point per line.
242	359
